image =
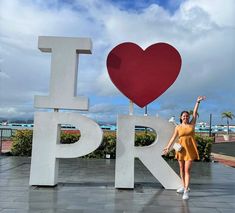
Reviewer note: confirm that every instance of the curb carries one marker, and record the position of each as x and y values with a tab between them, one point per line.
224	159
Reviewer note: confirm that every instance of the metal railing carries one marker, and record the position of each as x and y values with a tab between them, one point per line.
5	134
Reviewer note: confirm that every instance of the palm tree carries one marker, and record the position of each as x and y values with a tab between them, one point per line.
191	113
227	115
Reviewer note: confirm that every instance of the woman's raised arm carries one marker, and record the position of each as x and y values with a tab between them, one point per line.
194	118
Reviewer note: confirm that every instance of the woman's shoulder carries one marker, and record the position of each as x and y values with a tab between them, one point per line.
192	124
178	126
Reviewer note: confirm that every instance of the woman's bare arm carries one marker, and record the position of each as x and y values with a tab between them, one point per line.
167	148
194	118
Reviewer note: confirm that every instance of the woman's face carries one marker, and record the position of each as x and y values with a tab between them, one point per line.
185	117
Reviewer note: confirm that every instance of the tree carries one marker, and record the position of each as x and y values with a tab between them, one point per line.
191	113
227	115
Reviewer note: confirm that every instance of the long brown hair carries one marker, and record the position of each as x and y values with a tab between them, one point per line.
182	114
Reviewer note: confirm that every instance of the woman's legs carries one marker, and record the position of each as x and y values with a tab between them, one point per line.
187	170
182	171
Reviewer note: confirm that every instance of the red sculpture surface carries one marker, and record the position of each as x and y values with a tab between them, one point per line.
143	75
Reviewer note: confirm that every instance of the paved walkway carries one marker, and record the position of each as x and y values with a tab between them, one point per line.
224	159
88	186
224	153
6	146
224	148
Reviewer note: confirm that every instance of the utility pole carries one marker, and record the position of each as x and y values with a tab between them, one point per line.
210	125
131	107
145	114
146	110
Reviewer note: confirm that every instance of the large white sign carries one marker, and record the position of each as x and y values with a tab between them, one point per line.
151	156
47	149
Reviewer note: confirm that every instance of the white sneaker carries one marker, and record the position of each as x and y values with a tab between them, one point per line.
180	190
186	195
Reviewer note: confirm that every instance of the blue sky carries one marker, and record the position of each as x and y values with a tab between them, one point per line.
202	32
169	5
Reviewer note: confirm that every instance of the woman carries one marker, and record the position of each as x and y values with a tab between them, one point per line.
189	152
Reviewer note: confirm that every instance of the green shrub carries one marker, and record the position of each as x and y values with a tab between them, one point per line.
68	138
204	145
109	144
144	138
107	147
22	143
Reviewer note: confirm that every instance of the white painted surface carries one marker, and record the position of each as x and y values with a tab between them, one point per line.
47	150
62	95
149	155
64	63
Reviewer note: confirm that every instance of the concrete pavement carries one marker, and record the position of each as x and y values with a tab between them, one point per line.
87	185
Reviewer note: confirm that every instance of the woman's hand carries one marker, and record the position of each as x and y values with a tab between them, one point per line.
165	150
201	98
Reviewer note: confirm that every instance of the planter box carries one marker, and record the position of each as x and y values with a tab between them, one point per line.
226	137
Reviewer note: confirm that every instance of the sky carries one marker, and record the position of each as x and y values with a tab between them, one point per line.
203	32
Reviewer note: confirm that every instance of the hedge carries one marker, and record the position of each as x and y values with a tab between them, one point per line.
204	145
22	144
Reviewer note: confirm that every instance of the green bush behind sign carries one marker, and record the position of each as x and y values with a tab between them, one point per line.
22	144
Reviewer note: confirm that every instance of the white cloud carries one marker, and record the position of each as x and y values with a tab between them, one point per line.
202	32
3	75
16	112
220	12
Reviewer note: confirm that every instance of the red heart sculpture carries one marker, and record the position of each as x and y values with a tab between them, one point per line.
143	75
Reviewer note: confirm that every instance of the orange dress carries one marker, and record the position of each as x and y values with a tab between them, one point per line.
187	140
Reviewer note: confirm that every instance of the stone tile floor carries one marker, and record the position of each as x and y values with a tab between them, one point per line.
87	185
